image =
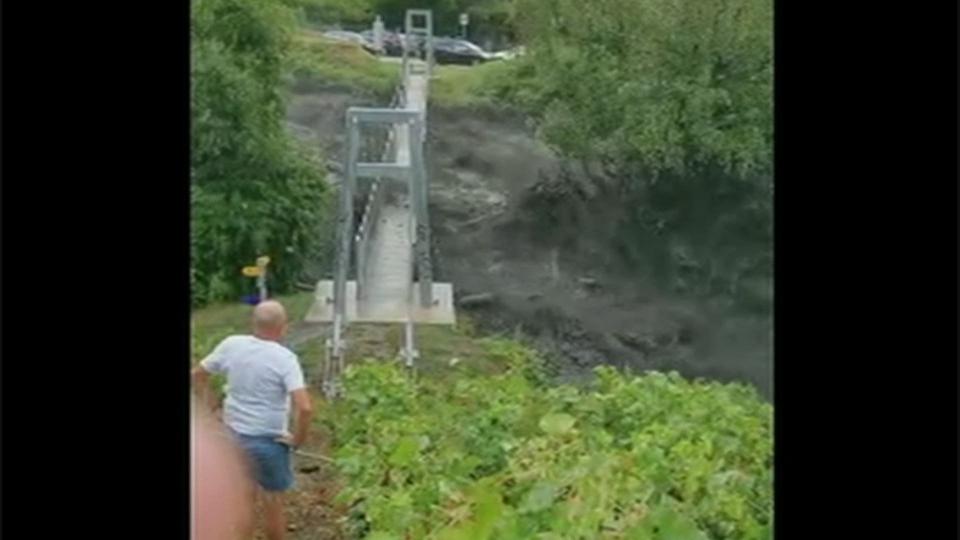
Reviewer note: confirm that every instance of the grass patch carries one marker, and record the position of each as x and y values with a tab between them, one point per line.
653	457
447	353
466	86
211	324
318	60
444	350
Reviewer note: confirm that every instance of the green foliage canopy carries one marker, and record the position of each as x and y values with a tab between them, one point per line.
253	191
669	103
677	86
650	457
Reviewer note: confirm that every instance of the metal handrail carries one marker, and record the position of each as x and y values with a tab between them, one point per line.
409	352
335	349
371	213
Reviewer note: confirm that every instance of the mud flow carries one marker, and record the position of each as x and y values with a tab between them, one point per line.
580	306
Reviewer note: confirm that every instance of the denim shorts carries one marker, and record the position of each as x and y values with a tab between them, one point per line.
270	460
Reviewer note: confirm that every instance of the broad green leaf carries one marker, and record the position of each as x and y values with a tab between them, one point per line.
617	470
488	509
664	523
557	423
380	535
405	451
540	497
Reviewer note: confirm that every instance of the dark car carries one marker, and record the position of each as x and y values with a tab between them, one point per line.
395	43
459	51
392	41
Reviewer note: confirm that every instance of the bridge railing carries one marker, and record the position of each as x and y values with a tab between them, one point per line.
363	240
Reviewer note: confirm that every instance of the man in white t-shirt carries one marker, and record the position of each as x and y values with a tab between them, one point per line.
263	378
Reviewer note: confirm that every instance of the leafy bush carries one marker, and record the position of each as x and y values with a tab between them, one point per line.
493	84
648	457
342	12
253	190
676	86
487	17
320	60
670	104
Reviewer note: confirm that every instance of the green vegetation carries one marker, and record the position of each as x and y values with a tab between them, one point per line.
253	190
669	108
480	447
469	86
675	87
214	322
502	456
342	12
317	60
210	324
669	105
439	345
488	18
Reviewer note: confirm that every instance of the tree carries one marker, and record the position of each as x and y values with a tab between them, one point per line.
253	191
672	100
677	86
342	12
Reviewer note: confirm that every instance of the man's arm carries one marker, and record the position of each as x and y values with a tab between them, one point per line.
201	386
215	362
303	413
300	398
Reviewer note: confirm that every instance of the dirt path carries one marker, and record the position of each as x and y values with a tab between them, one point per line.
311	512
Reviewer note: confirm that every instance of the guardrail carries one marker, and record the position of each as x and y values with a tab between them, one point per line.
374	204
361	241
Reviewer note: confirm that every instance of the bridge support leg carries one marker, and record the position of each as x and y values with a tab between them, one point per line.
346	217
418	193
333	365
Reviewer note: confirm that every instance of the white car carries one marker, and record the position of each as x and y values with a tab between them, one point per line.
510	54
351	37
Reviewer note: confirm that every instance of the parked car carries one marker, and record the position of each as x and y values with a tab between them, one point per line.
459	51
351	37
510	54
393	43
368	35
415	42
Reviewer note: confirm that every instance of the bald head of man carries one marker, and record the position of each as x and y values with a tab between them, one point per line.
269	320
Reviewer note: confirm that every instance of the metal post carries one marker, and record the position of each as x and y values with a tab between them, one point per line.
346	220
429	45
409	353
378	35
426	31
262	284
327	369
335	351
361	244
418	192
